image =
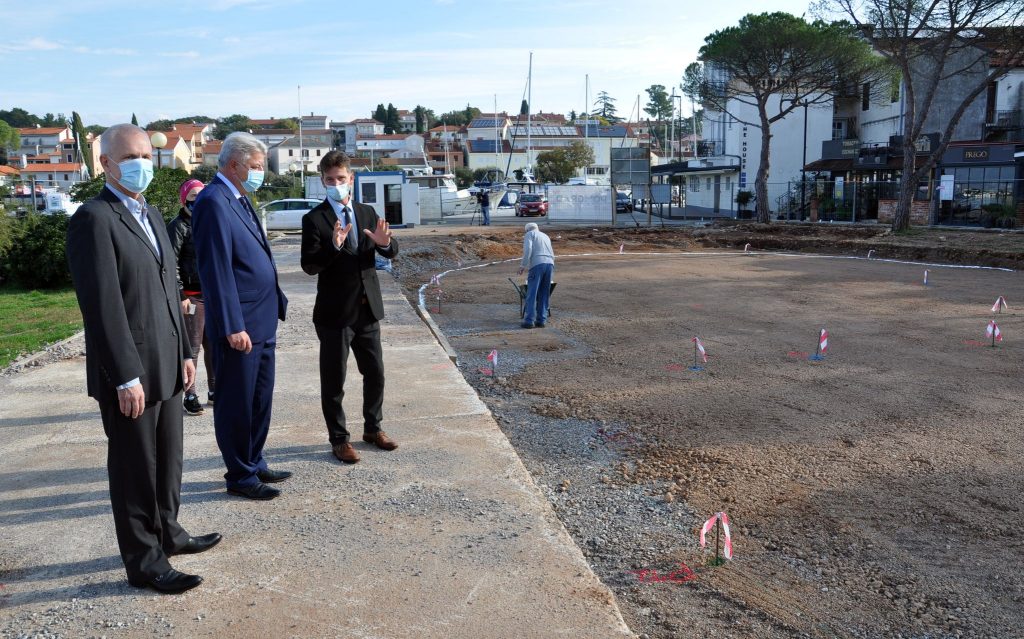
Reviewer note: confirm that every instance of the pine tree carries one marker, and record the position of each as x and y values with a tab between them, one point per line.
135	120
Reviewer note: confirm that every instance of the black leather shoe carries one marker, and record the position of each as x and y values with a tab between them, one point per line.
273	476
259	491
171	582
198	544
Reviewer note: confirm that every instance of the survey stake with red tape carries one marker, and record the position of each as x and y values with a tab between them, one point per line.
722	519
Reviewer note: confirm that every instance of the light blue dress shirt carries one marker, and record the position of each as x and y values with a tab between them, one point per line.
138	210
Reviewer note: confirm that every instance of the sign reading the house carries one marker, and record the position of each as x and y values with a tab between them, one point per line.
975	154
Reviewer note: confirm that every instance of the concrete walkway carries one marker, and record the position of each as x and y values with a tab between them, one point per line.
446	537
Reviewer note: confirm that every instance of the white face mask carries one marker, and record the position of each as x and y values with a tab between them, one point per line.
340	192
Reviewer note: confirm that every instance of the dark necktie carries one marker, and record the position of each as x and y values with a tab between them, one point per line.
252	213
350	239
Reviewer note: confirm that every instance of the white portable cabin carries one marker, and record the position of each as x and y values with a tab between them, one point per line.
388	192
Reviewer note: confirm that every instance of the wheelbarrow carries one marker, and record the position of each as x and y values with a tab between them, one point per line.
521	290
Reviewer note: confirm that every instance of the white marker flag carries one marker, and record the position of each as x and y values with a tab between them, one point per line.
622	248
993	331
700	349
1000	304
823	341
492	357
709	524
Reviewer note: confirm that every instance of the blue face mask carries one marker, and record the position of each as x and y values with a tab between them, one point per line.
254	181
136	174
339	193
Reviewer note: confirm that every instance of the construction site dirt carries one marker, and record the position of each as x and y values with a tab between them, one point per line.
872	493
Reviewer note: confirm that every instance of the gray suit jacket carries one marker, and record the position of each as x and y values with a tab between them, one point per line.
129	300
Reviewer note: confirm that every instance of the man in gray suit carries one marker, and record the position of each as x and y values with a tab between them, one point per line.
138	359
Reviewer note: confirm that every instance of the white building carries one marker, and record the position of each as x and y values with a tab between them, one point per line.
282	156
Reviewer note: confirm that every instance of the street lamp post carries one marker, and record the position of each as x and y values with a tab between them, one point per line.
158	140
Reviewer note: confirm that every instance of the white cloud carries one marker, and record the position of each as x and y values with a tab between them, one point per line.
32	44
180	54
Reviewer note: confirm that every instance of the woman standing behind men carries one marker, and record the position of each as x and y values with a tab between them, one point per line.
180	231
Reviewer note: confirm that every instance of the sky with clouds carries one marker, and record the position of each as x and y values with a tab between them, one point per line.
109	58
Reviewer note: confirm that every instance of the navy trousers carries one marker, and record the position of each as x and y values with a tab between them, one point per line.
241	415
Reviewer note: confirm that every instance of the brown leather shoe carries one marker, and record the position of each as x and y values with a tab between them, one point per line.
380	440
345	452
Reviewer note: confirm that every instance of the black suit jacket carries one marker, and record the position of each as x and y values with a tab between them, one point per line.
344	276
129	300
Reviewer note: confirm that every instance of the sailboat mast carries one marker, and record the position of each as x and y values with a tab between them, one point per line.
529	108
496	141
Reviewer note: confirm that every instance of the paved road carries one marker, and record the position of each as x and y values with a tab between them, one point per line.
446	537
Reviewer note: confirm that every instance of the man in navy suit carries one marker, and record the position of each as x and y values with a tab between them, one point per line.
243	305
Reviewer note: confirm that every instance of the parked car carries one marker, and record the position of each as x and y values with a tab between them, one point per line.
531	204
623	203
286	215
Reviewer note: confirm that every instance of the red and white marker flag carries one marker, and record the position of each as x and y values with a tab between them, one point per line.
999	305
823	342
435	280
709	524
700	349
926	278
622	248
993	332
492	357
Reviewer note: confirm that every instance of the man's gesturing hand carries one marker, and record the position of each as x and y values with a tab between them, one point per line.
240	342
132	401
380	235
340	233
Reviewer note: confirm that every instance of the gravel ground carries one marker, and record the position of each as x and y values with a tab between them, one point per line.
872	495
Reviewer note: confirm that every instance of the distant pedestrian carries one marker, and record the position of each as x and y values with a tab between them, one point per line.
539	258
485	206
192	307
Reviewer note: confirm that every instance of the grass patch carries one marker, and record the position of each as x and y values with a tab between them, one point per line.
29	320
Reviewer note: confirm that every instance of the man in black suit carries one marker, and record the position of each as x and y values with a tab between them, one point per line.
138	359
340	238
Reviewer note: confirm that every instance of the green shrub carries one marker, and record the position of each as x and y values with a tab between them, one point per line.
37	257
999	216
8	227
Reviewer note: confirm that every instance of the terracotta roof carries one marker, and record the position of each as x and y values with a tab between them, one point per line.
42	131
8	170
59	167
172	138
213	146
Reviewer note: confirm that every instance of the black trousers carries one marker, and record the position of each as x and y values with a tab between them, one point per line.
144	469
363	338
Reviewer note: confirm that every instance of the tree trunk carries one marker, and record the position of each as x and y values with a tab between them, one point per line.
764	213
908	188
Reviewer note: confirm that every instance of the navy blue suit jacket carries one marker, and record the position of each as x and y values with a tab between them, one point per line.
236	268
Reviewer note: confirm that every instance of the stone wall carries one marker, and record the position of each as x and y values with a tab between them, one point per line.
919	212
